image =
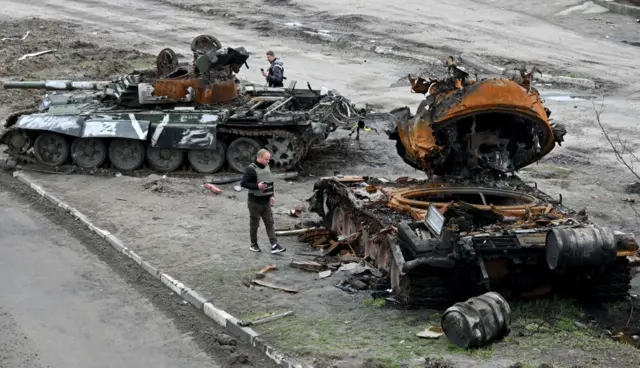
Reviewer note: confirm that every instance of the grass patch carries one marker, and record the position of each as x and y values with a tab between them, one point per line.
375	302
387	337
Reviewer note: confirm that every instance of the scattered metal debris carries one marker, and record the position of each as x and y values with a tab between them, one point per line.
431	332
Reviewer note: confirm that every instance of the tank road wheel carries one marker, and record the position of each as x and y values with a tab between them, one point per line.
208	161
205	43
126	154
242	152
285	151
51	149
88	153
18	141
166	61
164	159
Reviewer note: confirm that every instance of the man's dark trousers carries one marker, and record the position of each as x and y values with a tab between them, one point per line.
259	210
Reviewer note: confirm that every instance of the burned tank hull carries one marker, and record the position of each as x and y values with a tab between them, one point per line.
440	241
474	226
193	116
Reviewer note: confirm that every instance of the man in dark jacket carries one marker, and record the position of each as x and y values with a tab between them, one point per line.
257	178
275	74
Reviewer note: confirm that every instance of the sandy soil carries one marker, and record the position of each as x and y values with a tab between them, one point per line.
354	47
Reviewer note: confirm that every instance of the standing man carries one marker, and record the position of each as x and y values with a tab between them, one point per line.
275	74
257	178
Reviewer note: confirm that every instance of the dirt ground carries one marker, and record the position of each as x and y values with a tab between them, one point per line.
201	239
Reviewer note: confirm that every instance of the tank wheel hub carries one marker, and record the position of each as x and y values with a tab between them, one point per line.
51	149
126	154
18	142
242	152
208	161
285	151
164	159
88	152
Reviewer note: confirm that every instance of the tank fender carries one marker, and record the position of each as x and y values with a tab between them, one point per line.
69	125
184	135
104	128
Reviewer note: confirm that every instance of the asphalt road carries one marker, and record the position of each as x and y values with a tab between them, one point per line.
62	306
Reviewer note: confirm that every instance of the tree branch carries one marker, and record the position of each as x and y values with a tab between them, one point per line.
618	152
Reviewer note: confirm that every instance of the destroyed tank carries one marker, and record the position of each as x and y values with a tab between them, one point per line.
473	225
198	112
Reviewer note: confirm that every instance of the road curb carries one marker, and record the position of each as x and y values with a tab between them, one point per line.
618	8
224	319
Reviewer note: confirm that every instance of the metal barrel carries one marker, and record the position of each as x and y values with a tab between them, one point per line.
478	321
580	247
66	85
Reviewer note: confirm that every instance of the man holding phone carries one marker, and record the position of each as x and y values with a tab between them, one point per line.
258	180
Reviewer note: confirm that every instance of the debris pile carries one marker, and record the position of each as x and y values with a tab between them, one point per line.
335	254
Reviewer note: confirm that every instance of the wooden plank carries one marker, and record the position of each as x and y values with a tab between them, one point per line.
307	265
273	286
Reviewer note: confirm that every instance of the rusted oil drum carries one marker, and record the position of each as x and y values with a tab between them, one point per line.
478	321
580	247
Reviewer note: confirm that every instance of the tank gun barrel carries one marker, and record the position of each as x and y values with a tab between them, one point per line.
54	85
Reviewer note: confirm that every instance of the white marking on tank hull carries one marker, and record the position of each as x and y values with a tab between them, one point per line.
60	123
195	137
159	129
208	118
99	128
136	126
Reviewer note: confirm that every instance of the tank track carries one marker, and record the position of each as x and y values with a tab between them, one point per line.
28	161
602	285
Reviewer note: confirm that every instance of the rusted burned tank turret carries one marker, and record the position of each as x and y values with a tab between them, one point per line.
465	125
475	227
196	110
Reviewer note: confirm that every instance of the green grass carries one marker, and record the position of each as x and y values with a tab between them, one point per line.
388	338
375	302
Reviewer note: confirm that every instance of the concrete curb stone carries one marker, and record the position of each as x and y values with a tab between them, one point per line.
224	319
618	8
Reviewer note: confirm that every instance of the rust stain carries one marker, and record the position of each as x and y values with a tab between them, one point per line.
204	93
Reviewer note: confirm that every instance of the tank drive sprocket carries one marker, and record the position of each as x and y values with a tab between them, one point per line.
242	150
285	151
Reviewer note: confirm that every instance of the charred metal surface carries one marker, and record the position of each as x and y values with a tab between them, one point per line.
465	126
441	241
178	107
